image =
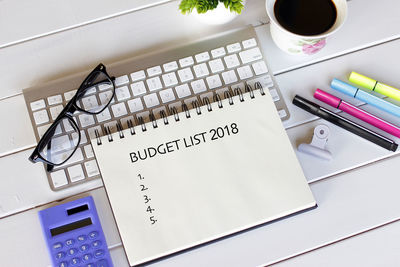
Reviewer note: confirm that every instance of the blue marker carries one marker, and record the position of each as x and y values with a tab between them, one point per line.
359	94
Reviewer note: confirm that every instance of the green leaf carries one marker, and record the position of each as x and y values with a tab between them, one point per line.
186	6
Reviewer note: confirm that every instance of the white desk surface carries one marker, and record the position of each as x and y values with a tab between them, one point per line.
357	222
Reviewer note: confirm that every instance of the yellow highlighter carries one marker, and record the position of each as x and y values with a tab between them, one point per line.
374	85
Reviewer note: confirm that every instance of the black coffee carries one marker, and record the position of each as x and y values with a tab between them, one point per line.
305	17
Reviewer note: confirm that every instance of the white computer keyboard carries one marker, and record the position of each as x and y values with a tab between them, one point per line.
152	84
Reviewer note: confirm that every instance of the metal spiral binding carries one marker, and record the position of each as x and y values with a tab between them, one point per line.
173	111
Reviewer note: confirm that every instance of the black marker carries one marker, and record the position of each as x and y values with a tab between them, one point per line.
344	123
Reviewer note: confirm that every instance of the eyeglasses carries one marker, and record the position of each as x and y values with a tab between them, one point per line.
63	137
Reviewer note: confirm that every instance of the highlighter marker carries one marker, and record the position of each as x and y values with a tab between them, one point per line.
356	112
344	123
375	101
374	85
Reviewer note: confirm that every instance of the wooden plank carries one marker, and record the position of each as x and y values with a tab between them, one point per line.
24	185
31	19
23	231
107	41
349	204
379	247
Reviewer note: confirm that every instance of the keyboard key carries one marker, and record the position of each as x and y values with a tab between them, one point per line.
124	121
219	52
88	152
39	104
154	83
183	90
260	67
121	80
167	95
198	86
170	79
250	55
151	100
58	178
92	131
138	88
170	66
105	97
60	143
214	81
69	95
76	157
122	93
76	173
54	100
221	92
244	72
119	110
265	81
68	126
231	61
104	86
75	137
138	75
41	116
216	65
201	70
202	57
185	75
104	115
86	120
282	113
135	105
187	61
240	86
90	102
274	95
232	48
249	43
42	129
229	77
91	168
90	90
153	71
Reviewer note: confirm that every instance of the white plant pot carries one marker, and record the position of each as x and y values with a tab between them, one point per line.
219	15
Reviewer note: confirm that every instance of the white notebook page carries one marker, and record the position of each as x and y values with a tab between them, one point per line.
208	176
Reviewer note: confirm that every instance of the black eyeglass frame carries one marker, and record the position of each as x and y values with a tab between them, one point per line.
67	113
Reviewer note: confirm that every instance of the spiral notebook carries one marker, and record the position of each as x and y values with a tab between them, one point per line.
200	175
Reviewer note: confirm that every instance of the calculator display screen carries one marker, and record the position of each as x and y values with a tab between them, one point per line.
71	226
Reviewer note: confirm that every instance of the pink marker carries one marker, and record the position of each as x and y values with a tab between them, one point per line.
356	112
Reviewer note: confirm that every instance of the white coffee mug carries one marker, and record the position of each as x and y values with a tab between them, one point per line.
296	44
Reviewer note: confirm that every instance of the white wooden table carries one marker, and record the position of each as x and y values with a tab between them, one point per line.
357	222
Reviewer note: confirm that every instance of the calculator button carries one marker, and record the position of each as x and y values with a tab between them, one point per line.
102	263
81	238
96	244
84	248
57	245
63	264
69	242
72	251
60	255
99	253
90	265
75	261
87	257
93	235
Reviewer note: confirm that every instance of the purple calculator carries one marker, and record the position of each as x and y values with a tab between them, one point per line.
74	235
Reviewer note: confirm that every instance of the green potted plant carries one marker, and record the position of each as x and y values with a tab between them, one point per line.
212	11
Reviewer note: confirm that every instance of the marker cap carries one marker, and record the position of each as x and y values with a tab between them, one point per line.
362	80
327	98
344	88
